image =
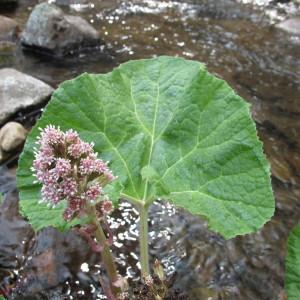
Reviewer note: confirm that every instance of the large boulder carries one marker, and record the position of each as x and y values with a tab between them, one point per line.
8	29
51	31
19	91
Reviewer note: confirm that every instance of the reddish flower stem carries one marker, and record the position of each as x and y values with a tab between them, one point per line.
107	256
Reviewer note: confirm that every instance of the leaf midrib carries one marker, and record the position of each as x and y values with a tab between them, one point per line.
152	140
135	111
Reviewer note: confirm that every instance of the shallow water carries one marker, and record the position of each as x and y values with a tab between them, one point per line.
238	43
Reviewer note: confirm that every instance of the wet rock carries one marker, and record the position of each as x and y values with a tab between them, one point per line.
15	236
14	230
50	31
290	25
8	28
19	91
55	258
7	183
12	136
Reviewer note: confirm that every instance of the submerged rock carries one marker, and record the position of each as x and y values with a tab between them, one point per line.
19	91
50	31
8	28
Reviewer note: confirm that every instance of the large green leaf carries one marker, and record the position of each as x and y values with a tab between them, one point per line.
292	278
171	130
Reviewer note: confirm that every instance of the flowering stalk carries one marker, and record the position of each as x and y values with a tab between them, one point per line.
106	253
69	169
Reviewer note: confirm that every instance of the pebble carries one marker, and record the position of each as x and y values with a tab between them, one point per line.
12	138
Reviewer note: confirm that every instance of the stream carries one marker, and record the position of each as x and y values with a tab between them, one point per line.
239	42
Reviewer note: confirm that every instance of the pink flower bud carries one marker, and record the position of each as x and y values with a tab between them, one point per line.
69	187
68	214
51	194
106	207
51	136
90	166
93	192
62	167
71	137
79	149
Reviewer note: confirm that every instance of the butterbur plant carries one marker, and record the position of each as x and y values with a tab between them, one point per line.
169	129
68	169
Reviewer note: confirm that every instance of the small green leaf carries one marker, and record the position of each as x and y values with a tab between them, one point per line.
292	278
170	130
41	214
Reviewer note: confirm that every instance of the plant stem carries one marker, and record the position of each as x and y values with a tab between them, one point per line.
107	256
144	250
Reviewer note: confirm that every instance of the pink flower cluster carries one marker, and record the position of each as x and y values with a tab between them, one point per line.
68	168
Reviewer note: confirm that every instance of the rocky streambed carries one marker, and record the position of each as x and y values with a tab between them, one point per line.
254	45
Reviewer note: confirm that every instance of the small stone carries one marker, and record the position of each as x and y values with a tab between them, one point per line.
50	31
12	136
19	91
8	29
290	25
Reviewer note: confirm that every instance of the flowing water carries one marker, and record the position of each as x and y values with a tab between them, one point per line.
238	42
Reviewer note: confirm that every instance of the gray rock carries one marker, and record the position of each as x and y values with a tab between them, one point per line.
19	91
50	31
290	25
8	29
12	136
